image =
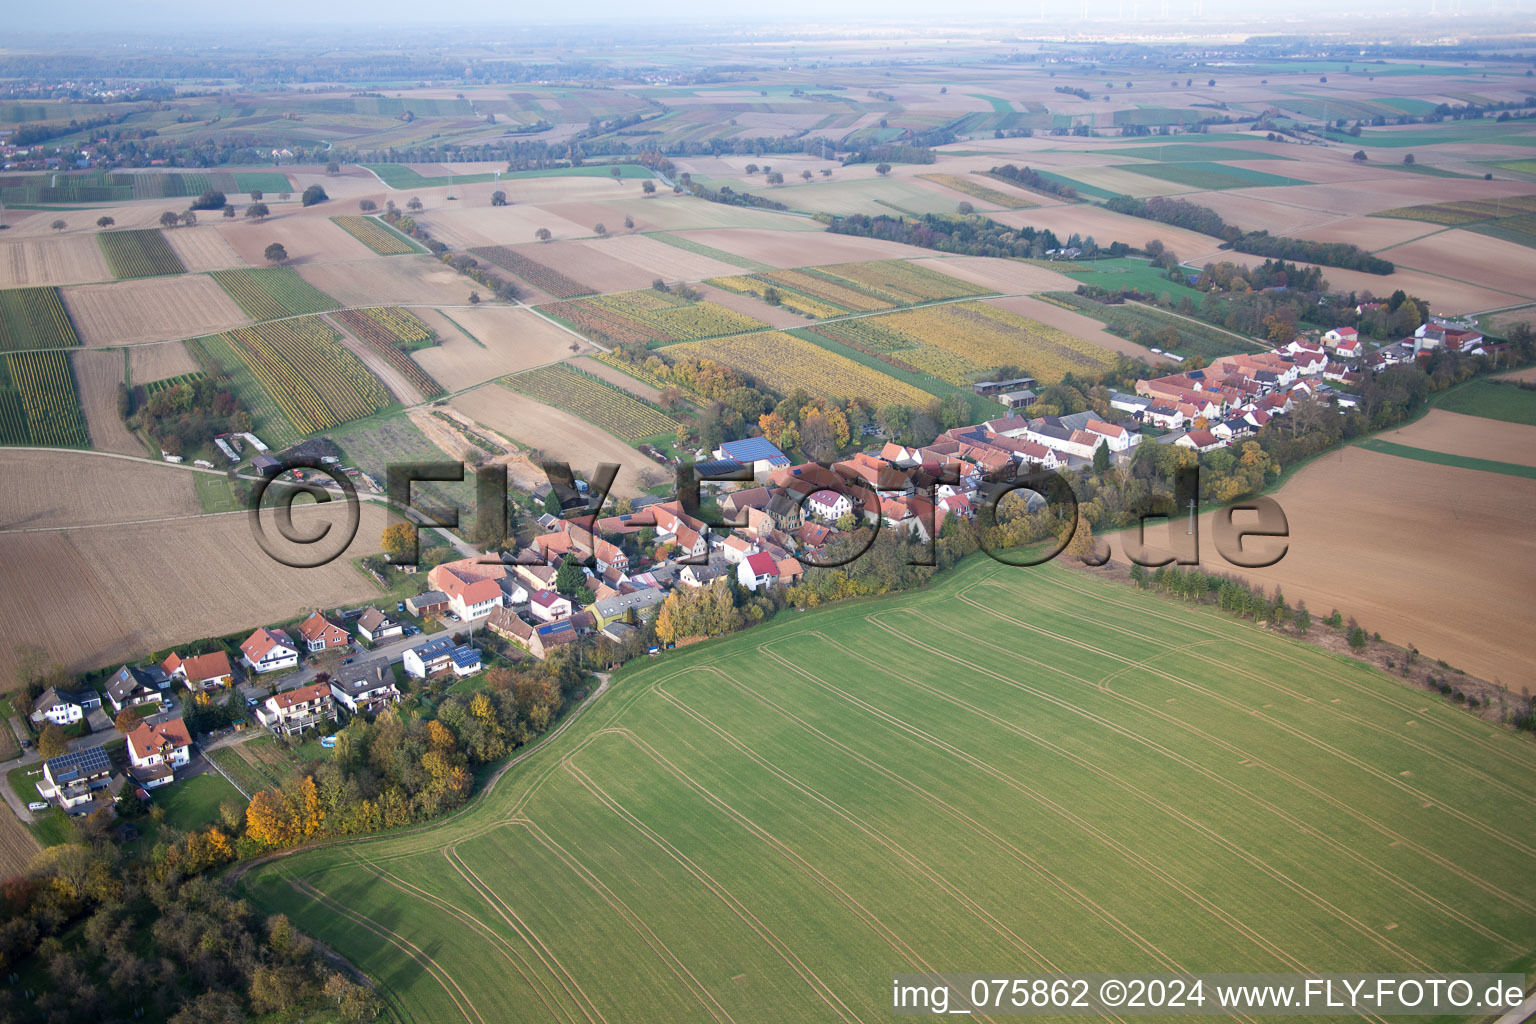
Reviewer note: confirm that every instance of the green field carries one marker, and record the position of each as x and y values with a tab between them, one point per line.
1518	166
1188	152
1404	451
1018	767
1490	399
268	182
699	248
1205	175
140	252
266	293
1129	272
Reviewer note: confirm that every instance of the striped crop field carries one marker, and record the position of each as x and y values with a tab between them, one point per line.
383	329
141	252
1465	211
649	316
1022	767
844	288
39	403
785	363
595	401
544	278
973	186
266	293
378	236
34	318
305	372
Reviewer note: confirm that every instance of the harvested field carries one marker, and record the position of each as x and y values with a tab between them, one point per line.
1448	297
1369	233
659	259
559	435
159	362
97	377
1475	437
1463	255
47	490
17	846
396	281
151	309
68	260
203	248
984	190
500	340
468	228
1004	276
791	249
309	238
618	378
1075	324
1376	536
236	585
1107	226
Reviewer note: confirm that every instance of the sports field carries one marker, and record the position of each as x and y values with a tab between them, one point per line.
1021	768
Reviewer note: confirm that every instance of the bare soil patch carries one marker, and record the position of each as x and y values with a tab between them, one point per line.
751	305
1467	256
1106	226
556	434
589	263
390	281
203	248
464	227
793	249
1394	543
67	260
505	339
308	238
151	309
1006	276
139	587
17	847
618	378
1071	321
1472	436
97	375
1369	233
659	259
52	490
157	362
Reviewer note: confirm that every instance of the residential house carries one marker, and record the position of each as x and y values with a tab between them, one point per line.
759	570
433	602
537	640
784	512
736	547
64	707
546	605
733	506
468	597
829	505
790	571
135	686
641	603
77	777
374	626
1201	441
320	633
269	650
201	671
367	693
156	751
438	656
293	711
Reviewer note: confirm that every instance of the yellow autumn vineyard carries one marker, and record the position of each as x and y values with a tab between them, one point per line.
787	364
310	377
989	337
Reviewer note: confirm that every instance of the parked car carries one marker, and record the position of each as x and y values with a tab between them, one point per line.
37	805
347	661
251	702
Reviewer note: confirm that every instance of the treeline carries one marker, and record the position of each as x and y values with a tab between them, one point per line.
101	940
181	419
1184	214
973	235
1033	179
1067	90
730	197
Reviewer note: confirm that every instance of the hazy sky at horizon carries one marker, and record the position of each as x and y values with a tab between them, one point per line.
293	17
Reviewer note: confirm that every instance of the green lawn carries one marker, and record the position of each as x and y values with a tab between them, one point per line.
1020	767
1128	319
1130	272
1490	399
53	826
216	493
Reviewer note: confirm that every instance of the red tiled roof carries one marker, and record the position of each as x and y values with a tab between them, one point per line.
288	698
762	564
145	739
